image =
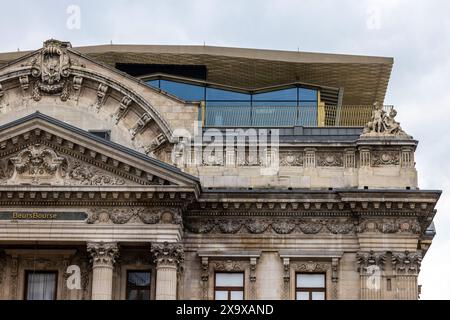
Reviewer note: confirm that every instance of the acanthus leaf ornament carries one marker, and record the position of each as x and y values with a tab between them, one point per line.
103	253
168	253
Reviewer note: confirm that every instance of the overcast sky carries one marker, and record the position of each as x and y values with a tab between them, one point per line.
415	33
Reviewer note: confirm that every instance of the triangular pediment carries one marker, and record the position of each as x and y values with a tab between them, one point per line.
38	150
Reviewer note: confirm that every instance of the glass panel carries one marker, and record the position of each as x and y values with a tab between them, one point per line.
318	296
302	295
41	286
237	295
188	92
284	94
153	83
310	280
229	279
307	114
138	294
139	278
228	103
221	295
307	94
220	94
275	103
228	116
274	116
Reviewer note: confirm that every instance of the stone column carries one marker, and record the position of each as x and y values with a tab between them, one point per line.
103	257
168	258
371	265
406	266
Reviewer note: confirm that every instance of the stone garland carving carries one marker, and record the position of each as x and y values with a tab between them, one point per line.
385	158
383	123
330	159
366	260
51	69
286	278
84	174
407	262
278	226
103	253
389	225
135	215
334	277
166	253
291	159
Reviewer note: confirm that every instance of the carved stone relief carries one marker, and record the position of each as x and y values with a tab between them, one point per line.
407	262
151	215
269	225
330	159
389	225
385	158
51	69
168	254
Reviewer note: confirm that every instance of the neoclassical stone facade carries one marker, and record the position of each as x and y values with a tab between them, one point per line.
343	203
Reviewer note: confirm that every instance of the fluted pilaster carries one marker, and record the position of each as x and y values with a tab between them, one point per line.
103	257
168	258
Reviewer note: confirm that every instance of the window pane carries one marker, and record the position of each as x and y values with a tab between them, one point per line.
302	295
230	103
221	295
136	294
310	280
307	94
188	92
138	278
237	295
318	296
275	103
228	116
307	114
153	83
229	279
41	286
274	116
220	94
284	94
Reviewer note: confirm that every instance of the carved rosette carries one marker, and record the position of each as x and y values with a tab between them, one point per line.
407	263
368	261
311	266
228	266
103	253
330	159
389	225
168	254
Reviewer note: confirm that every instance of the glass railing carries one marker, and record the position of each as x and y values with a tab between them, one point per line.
288	116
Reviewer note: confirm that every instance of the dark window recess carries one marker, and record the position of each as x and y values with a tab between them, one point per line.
138	285
140	69
40	285
104	134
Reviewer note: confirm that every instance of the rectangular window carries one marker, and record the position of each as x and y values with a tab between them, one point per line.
138	285
104	134
310	286
229	286
40	285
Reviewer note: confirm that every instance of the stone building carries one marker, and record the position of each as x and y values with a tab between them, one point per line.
114	183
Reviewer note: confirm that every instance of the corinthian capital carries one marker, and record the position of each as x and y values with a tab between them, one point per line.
369	260
407	262
168	253
103	253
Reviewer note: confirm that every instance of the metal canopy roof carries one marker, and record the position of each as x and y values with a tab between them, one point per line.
364	78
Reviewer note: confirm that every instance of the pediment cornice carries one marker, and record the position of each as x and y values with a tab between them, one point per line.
38	152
